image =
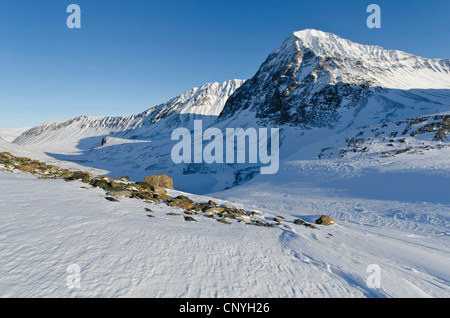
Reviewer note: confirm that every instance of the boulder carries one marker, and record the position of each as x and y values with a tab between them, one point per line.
80	175
325	220
160	180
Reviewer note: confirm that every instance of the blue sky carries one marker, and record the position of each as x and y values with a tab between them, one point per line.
131	55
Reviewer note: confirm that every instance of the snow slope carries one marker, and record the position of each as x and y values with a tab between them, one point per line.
123	253
45	228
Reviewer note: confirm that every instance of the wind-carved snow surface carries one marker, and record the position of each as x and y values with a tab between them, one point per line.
346	115
50	225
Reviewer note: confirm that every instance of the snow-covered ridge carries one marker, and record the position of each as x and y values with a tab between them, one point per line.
376	65
317	79
316	83
207	100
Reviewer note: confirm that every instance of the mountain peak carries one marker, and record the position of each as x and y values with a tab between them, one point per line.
327	44
316	76
309	33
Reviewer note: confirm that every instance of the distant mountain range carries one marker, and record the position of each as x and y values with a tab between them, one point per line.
315	84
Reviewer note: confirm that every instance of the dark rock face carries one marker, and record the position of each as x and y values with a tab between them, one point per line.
316	77
296	88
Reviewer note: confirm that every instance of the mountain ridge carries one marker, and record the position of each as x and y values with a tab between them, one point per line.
308	95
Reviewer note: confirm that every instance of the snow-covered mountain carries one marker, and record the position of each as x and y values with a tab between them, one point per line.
205	101
365	140
317	79
314	86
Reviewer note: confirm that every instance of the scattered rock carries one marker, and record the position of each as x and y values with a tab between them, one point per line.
259	223
144	196
164	197
214	209
301	222
402	151
152	189
224	221
189	219
184	198
181	204
120	193
80	175
102	183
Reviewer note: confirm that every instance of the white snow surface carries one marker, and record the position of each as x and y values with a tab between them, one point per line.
48	225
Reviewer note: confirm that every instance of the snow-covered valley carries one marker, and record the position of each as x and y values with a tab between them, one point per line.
364	138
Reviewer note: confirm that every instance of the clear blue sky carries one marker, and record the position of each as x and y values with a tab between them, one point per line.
131	55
